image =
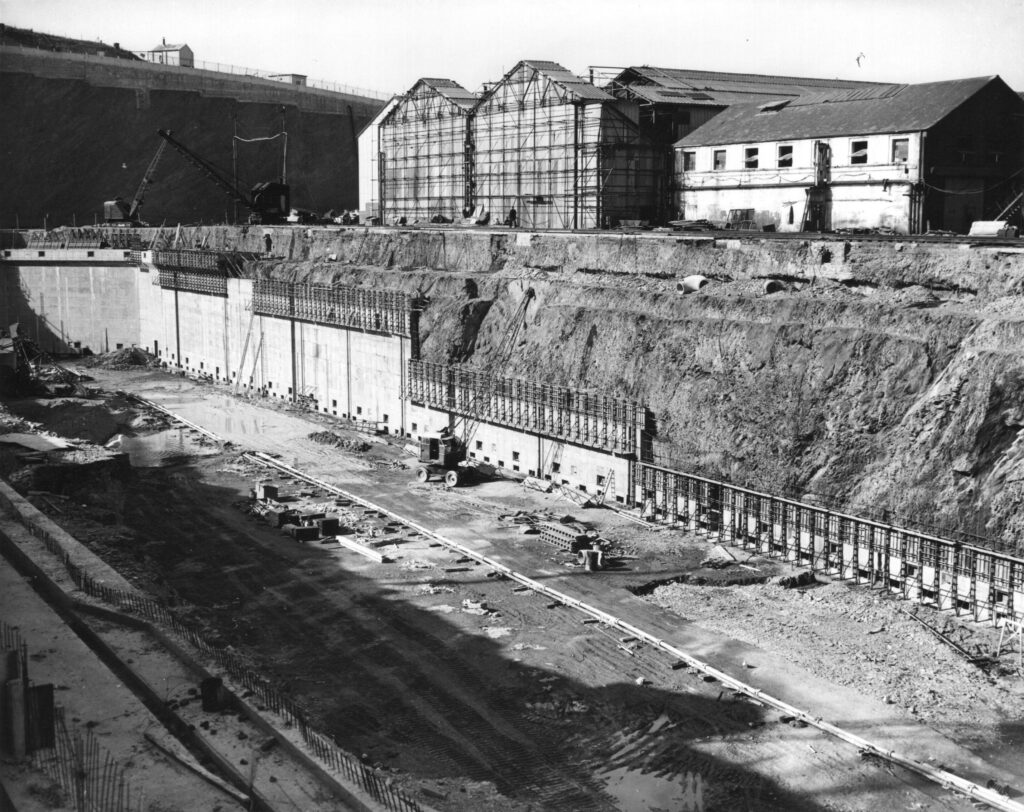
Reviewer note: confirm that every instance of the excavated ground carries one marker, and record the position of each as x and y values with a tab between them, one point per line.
477	696
882	378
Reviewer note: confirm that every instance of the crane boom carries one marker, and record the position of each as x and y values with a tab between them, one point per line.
147	179
207	169
268	203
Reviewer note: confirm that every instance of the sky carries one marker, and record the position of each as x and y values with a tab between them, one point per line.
386	45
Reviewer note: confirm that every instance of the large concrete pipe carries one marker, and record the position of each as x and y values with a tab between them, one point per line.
691	284
773	286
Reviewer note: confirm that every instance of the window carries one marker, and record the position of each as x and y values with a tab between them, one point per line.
719	159
689	161
479	445
413	425
858	152
785	156
750	157
900	150
515	456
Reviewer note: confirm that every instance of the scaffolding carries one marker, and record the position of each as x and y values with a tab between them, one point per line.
377	311
423	143
560	151
212	284
986	583
589	419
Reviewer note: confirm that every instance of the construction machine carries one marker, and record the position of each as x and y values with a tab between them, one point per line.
268	202
447	454
117	212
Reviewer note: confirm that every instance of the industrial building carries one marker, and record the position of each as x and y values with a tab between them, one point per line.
422	147
910	158
646	145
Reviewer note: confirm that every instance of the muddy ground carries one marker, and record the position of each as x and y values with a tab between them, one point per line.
477	695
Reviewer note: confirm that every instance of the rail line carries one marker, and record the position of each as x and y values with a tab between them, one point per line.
943	778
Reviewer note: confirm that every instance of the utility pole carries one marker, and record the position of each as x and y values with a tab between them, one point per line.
284	156
234	169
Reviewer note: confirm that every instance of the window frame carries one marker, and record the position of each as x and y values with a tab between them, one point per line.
715	154
779	157
751	157
689	160
892	150
855	159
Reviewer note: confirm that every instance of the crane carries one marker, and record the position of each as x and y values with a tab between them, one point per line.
447	454
117	212
267	202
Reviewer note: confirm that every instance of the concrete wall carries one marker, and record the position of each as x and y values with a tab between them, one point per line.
60	305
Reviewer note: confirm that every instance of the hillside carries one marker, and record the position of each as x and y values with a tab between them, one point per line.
79	130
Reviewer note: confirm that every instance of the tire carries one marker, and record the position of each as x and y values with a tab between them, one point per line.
422	474
452	479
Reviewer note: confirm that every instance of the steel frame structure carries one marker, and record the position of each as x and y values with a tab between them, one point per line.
423	143
986	583
588	419
213	284
563	153
377	311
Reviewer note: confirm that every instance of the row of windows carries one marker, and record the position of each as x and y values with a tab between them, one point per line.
752	157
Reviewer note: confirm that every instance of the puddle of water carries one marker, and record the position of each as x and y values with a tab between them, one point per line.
635	791
167	447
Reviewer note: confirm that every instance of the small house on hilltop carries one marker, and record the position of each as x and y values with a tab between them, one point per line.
164	54
910	158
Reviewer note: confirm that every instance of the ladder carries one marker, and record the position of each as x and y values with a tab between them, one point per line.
603	493
245	348
554	457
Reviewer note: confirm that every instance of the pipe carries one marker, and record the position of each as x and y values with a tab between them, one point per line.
692	284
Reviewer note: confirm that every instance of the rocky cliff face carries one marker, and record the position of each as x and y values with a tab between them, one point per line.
885	377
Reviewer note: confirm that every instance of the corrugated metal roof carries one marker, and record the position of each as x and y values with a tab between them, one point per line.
576	85
451	90
886	109
717	89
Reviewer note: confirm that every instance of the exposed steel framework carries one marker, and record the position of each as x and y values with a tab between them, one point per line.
589	419
379	311
984	582
423	161
214	284
560	151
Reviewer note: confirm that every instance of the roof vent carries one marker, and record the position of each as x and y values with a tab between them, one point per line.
774	106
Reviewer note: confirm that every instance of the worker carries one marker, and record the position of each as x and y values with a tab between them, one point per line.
267	241
513	218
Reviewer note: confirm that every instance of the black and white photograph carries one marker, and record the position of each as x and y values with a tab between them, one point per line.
464	406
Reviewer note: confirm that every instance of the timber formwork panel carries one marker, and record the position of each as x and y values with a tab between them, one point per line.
378	311
213	284
966	578
195	260
582	418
